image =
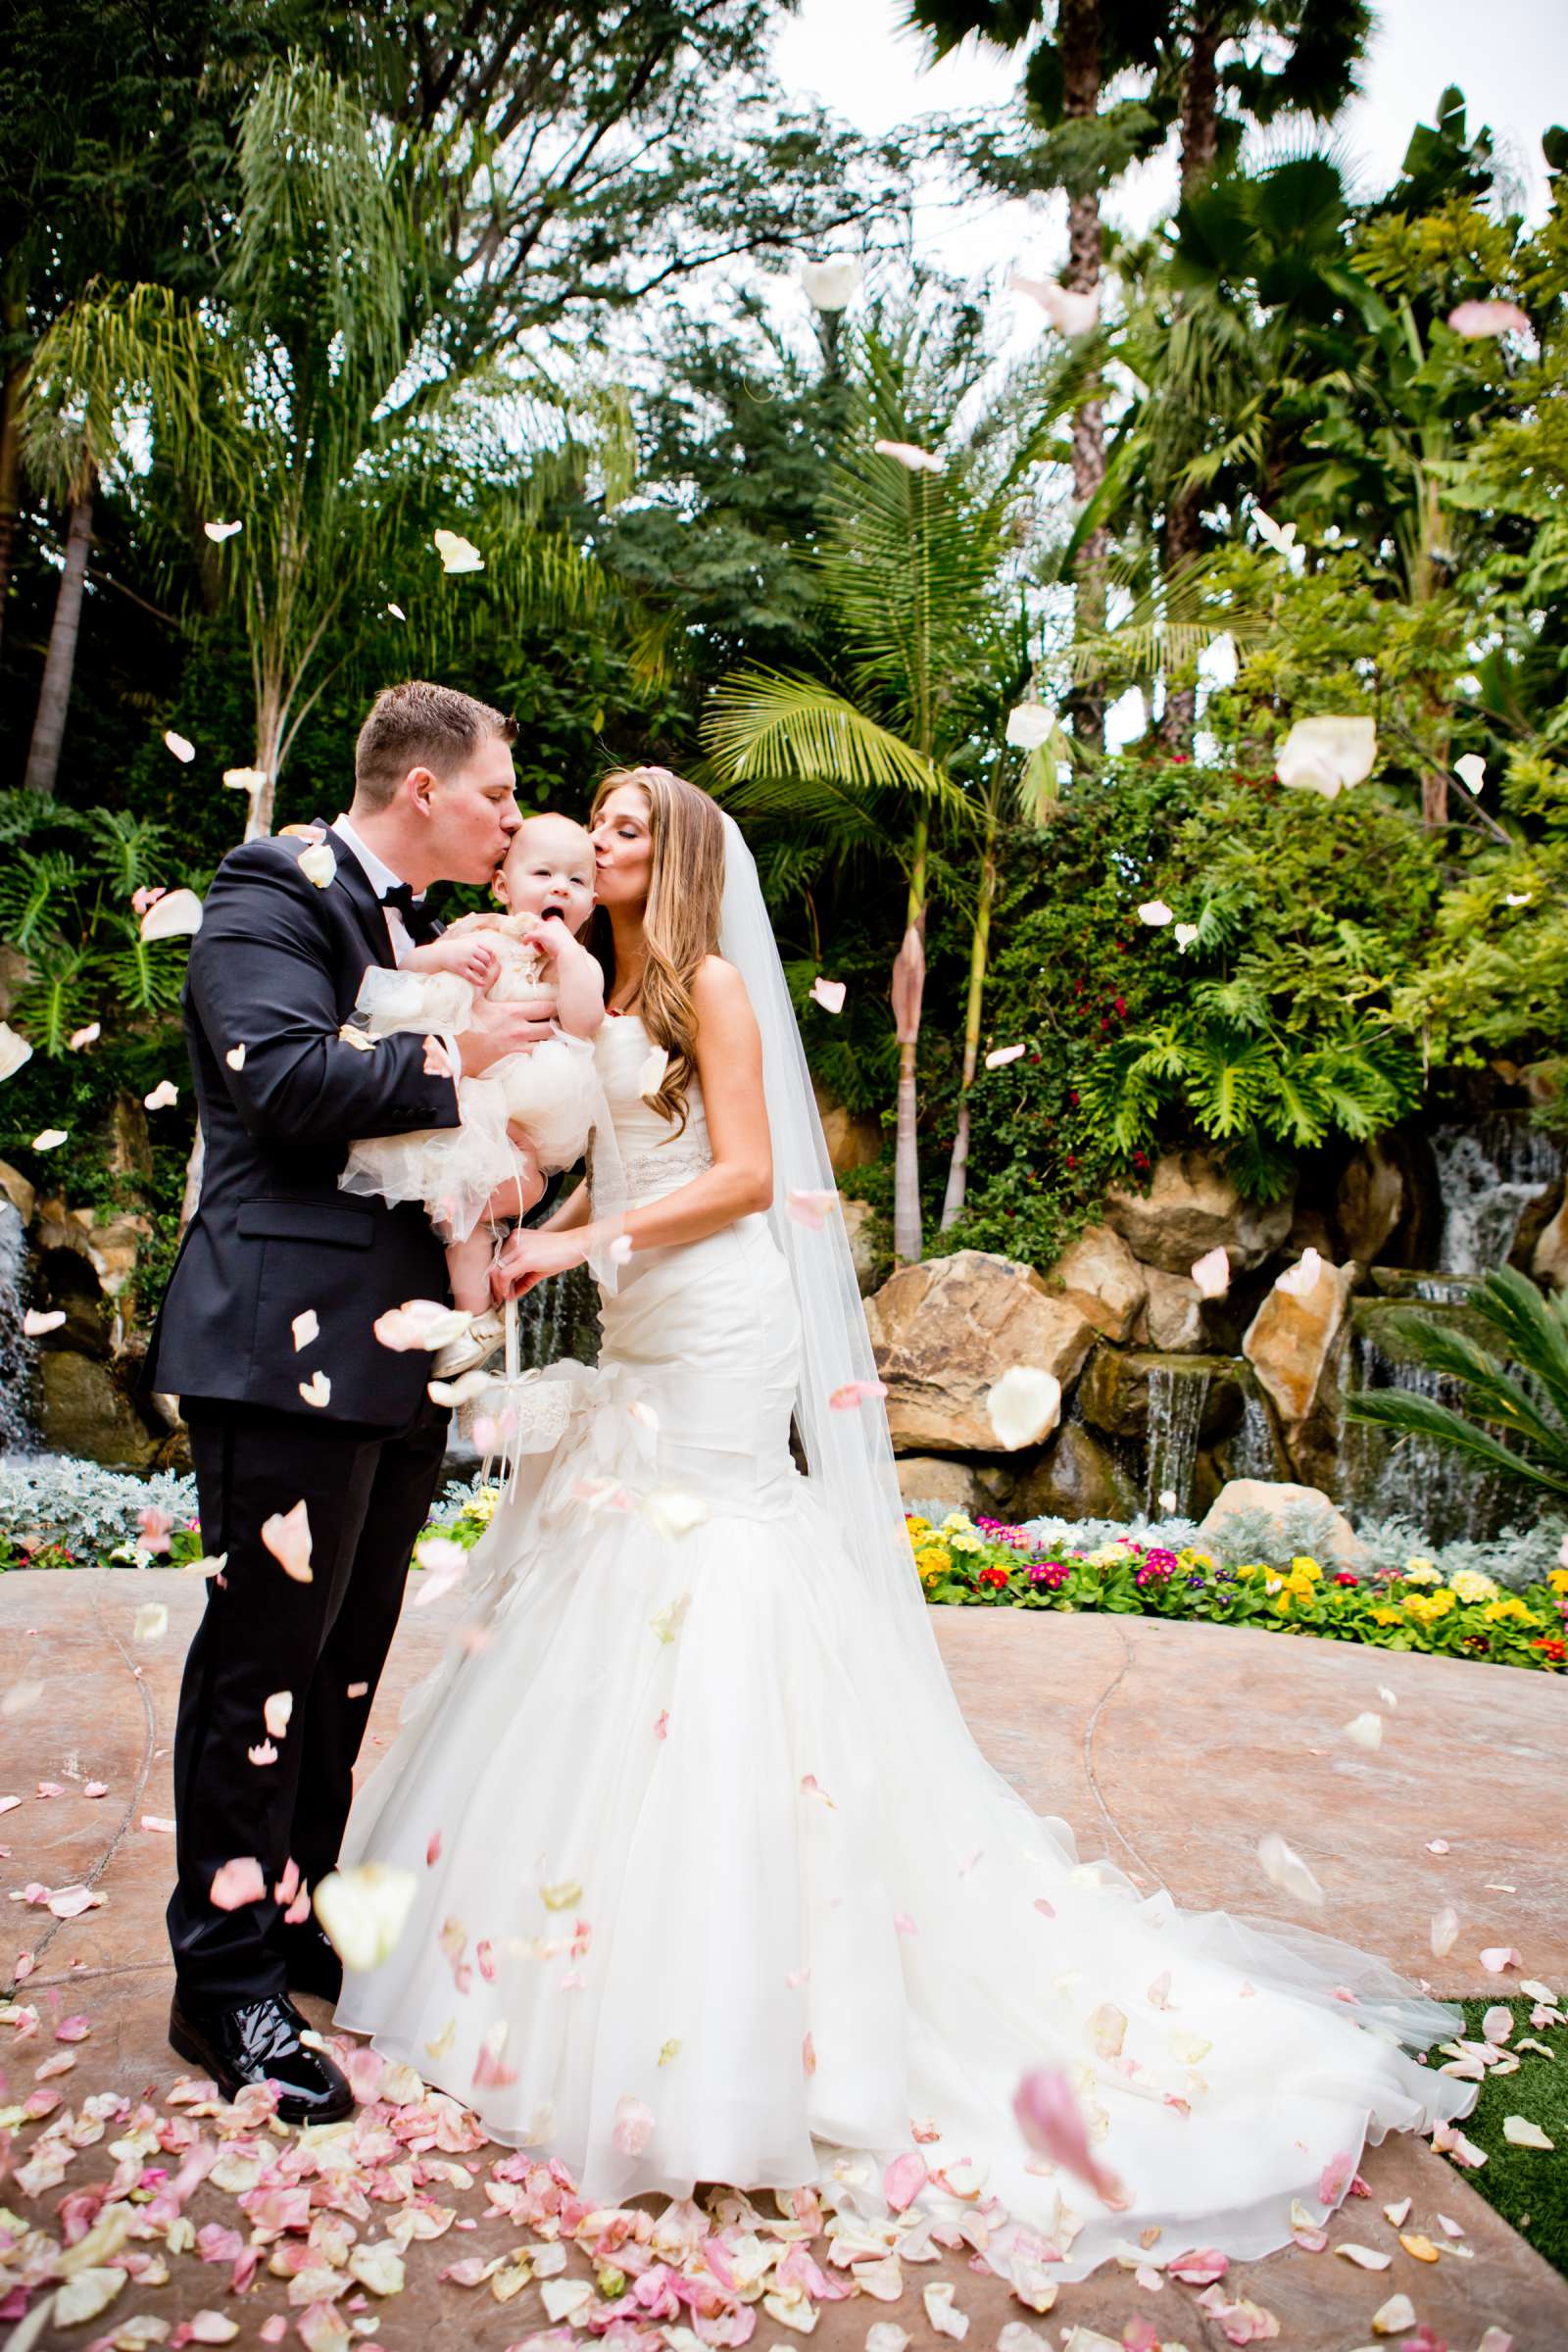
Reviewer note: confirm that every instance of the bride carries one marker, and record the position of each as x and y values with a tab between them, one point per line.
713	1883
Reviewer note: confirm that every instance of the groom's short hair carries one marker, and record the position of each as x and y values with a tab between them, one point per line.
420	725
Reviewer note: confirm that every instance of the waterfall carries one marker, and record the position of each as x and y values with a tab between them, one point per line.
1254	1449
1488	1175
556	1318
1444	1493
17	1350
1176	1401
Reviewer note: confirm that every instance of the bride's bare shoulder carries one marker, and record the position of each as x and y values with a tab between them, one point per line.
718	987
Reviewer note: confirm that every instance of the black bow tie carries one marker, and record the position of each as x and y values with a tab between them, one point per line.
418	920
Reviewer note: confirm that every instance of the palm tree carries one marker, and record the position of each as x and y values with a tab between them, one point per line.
298	405
918	572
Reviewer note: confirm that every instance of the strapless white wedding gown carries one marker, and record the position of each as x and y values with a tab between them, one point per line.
698	1903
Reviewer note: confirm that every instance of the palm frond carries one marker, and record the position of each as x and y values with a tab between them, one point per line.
762	724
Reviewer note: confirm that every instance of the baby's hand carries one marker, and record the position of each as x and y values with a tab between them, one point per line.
549	938
468	957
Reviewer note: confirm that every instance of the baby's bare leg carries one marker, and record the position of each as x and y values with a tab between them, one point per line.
468	1269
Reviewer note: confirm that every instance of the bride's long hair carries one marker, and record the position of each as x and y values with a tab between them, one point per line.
680	921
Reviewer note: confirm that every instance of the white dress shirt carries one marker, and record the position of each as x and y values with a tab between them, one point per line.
382	879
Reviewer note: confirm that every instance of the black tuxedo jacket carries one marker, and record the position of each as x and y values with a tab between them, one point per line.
276	967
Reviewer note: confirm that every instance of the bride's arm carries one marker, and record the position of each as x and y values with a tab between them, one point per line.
729	1066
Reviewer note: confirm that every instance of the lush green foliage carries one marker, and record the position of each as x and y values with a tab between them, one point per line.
981	1562
1517	1389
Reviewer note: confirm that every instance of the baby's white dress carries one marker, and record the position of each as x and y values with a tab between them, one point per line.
553	1092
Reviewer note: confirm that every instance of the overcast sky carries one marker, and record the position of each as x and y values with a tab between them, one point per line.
1510	57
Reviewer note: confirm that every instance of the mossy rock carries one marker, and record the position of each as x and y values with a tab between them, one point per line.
1114	1395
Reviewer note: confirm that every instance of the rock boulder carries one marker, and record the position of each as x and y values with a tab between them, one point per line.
1291	1339
934	1479
83	1410
1173	1319
946	1331
1192	1206
1099	1276
1369	1201
1078	1479
1331	1534
1549	1260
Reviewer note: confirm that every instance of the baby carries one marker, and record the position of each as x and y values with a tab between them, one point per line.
527	1114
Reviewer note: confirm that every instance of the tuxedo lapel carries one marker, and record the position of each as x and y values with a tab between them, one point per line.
367	907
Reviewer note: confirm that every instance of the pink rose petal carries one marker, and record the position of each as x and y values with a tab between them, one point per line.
829	993
903	2181
287	1537
1473	320
238	1883
1051	2121
1500	1957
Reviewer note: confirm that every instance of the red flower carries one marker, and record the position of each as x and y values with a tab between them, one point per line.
996	1578
1121	1008
1344	1577
1555	1651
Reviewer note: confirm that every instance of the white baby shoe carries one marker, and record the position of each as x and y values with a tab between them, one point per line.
478	1344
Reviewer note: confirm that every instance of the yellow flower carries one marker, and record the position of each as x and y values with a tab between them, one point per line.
1252	1568
1280	1604
933	1561
1511	1611
1306	1569
958	1522
1386	1616
1471	1585
1421	1572
1558	1579
963	1542
1426	1607
918	1527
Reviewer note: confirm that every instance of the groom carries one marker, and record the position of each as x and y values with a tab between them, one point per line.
265	1337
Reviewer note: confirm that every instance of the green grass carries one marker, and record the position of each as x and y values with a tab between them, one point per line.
1528	2187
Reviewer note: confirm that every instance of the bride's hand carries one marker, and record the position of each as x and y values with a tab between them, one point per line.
526	1257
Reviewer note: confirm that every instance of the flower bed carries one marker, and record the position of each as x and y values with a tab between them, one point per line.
964	1562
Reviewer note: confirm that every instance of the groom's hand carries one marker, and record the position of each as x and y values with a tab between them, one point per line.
497	1030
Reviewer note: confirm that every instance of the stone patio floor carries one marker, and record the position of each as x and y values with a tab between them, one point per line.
1171	1748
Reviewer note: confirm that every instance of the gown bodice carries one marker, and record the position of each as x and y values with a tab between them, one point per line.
656	1155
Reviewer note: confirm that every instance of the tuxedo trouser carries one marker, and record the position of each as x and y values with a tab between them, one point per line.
368	1492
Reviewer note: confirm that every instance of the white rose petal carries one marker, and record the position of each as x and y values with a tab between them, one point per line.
165	1095
1390	2317
317	1389
235	1058
318	865
363	1911
908	455
1184	935
1520	2133
1327	754
1024	1406
1471	771
651	1075
1365	1730
1302	1279
1211	1273
1030	726
245	779
49	1138
829	993
420	1323
1069	312
456	553
1284	1868
219	531
180	745
13	1050
672	1514
831	286
277	1712
36	1322
90	1036
999	1055
1154	912
170	916
307	1328
152	1621
1281	536
943	2313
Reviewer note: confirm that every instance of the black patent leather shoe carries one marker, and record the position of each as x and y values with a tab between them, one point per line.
313	1965
259	2041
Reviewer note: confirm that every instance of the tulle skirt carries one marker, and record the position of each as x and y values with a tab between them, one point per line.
705	1894
553	1093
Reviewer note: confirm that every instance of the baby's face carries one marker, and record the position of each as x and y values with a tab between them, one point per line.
549	871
